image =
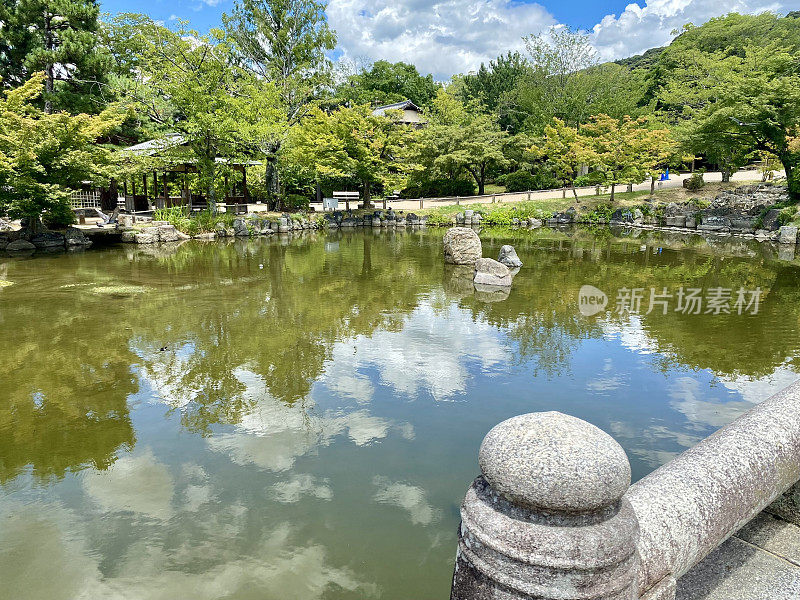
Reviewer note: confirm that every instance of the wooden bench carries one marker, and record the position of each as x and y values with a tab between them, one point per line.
346	197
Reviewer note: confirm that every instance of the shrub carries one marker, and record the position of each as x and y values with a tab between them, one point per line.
295	202
58	216
593	178
522	181
176	215
437	188
601	213
787	215
695	182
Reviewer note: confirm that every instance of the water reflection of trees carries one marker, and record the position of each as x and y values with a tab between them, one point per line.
542	316
191	318
279	321
66	376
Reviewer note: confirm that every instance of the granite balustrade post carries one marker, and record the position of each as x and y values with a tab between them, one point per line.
547	518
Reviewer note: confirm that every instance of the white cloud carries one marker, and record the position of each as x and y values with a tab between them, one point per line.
455	36
441	37
638	28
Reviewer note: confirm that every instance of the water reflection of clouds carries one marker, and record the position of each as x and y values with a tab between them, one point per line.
691	397
300	485
411	498
43	554
758	390
272	434
653	444
429	354
139	484
687	396
605	381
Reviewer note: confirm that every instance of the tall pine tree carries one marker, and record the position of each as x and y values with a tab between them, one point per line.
59	38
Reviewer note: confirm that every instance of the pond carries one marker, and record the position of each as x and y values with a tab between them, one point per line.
300	419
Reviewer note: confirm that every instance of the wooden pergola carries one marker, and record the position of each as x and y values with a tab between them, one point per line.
157	195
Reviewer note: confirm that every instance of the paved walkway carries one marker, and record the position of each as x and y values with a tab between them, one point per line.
675	181
760	562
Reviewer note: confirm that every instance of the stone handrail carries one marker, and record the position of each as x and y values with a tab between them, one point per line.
553	515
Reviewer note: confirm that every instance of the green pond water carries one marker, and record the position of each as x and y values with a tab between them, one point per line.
300	419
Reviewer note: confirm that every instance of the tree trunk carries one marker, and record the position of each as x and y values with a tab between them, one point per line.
482	181
612	192
726	176
791	163
653	184
574	192
212	192
49	75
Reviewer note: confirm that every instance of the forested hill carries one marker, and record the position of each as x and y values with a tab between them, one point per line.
642	61
649	58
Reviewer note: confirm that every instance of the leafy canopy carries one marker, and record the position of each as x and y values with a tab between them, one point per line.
45	155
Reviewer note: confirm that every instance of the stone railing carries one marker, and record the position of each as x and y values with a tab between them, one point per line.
553	515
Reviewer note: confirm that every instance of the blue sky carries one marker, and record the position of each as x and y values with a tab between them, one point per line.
451	36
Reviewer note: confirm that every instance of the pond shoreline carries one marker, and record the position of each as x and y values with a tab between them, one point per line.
751	212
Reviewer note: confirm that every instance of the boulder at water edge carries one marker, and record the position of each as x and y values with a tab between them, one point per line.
462	246
508	256
20	246
490	272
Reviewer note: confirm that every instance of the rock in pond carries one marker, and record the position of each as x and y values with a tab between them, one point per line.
462	246
75	237
508	256
490	272
47	239
20	246
788	235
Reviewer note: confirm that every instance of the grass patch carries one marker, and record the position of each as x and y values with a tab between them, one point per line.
192	223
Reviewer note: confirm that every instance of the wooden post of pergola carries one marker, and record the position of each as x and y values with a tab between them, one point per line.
244	184
186	194
228	192
144	185
166	191
155	189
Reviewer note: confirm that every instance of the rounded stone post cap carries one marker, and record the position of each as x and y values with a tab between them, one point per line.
554	462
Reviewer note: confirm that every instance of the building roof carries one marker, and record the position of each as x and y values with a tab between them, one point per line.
380	111
173	140
152	147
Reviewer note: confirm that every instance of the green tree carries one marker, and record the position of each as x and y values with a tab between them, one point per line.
566	81
45	155
462	138
284	42
491	83
624	150
386	83
566	151
733	86
351	142
57	37
193	85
